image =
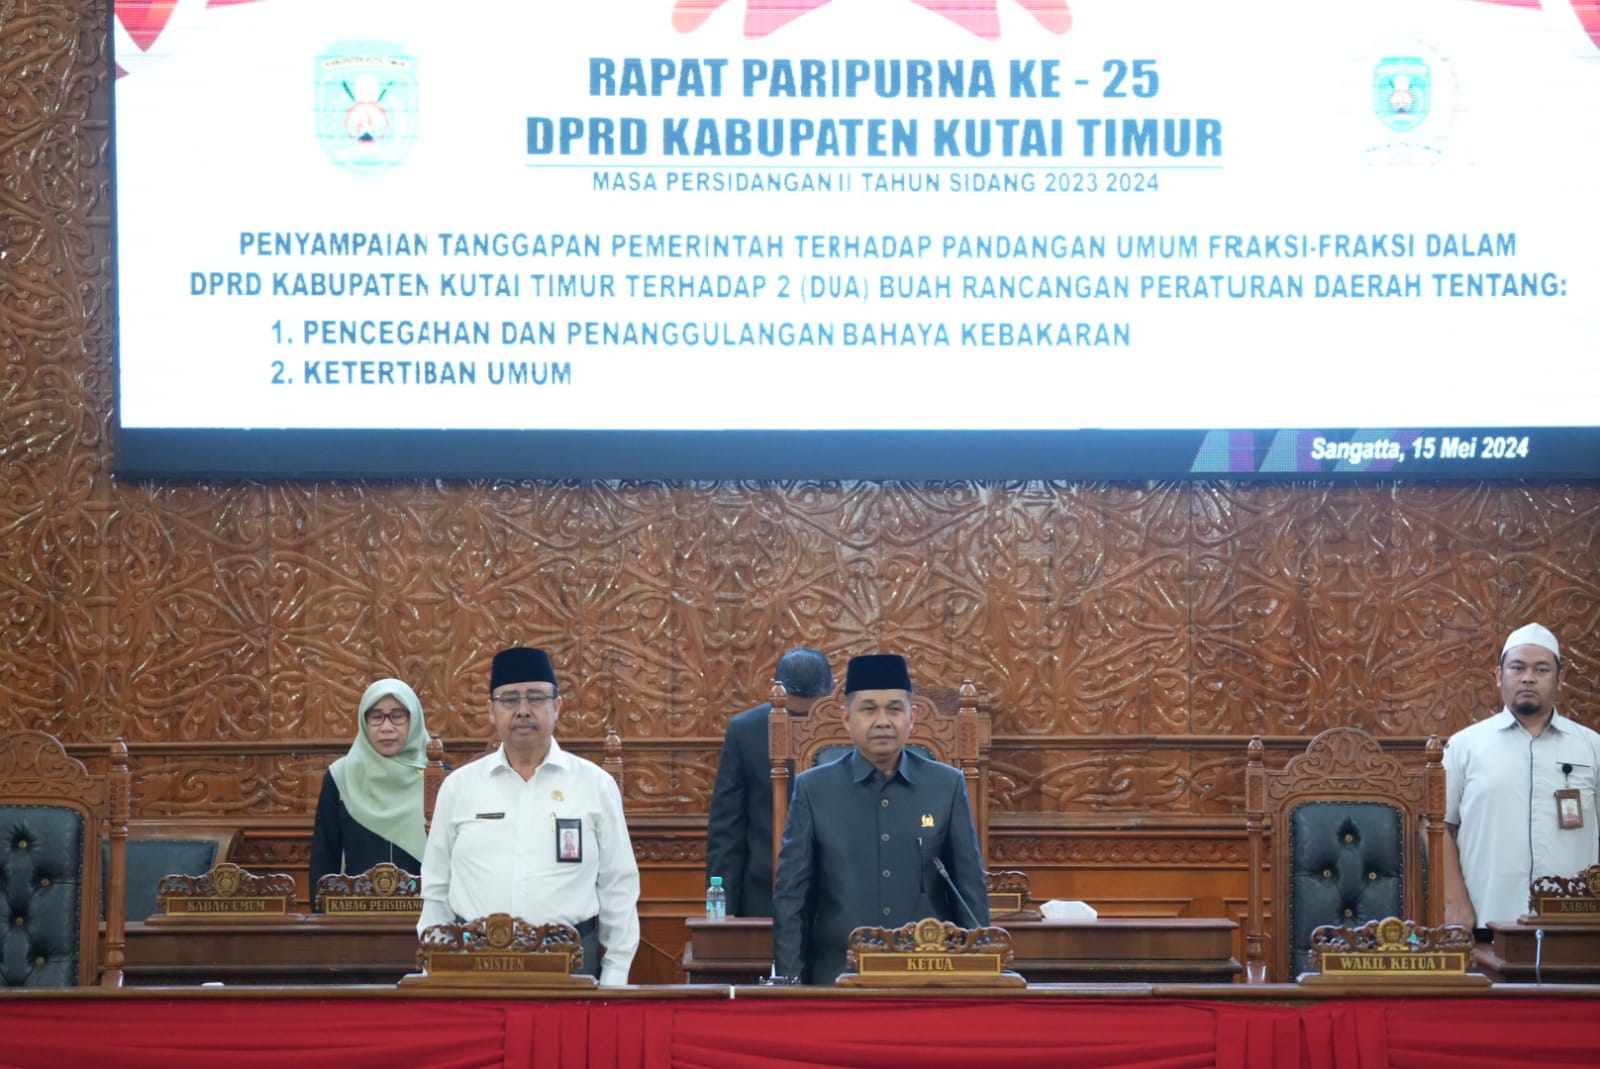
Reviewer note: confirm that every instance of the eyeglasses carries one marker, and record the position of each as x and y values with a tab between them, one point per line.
376	717
511	701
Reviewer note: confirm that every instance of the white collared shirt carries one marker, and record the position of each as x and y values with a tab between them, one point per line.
492	849
1500	785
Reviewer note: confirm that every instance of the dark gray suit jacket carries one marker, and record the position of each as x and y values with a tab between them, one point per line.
739	830
858	850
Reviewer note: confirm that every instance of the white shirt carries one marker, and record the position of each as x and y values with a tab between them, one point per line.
492	848
1500	785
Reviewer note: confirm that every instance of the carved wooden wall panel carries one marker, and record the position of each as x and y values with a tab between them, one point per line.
1317	606
1127	639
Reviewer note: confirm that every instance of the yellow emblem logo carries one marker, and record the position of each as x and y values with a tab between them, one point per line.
557	796
385	878
927	820
225	878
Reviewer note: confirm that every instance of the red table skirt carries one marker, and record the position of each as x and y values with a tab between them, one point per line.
801	1033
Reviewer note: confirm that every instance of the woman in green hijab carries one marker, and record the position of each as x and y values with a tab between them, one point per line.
370	810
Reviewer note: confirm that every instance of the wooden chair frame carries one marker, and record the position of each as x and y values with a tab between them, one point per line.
223	835
1342	764
961	740
36	770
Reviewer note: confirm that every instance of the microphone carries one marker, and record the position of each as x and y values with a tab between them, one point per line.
972	918
1538	955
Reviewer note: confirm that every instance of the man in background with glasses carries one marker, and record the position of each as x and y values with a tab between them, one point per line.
534	831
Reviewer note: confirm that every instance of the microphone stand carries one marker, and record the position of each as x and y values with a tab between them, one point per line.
972	918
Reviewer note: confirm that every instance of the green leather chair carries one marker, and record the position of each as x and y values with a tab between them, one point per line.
53	813
1350	828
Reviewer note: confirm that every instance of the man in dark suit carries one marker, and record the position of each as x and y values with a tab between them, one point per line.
865	833
739	831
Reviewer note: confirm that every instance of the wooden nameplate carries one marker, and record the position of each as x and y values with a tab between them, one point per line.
499	951
1562	900
1392	952
226	893
384	890
930	953
1009	893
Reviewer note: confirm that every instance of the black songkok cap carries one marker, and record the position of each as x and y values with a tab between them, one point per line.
521	664
877	671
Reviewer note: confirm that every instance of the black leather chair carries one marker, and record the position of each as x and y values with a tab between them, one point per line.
53	813
166	849
1347	865
1347	824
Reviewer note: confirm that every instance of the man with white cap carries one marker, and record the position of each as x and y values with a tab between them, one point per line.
1519	791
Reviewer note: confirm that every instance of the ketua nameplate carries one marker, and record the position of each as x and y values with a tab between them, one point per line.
881	964
1393	951
930	953
497	951
227	892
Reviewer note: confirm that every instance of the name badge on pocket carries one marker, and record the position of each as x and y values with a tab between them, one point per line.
1569	808
569	840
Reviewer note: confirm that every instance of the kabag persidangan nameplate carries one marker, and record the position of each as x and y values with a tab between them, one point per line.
384	890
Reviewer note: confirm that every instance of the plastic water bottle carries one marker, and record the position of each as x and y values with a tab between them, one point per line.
716	900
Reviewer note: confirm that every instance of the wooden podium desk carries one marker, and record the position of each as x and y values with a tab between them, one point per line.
379	950
1571	954
1171	950
310	950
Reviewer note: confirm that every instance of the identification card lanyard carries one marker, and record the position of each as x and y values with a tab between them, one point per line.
1569	803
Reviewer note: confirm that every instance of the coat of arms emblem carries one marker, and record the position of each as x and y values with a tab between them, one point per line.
366	104
1402	92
